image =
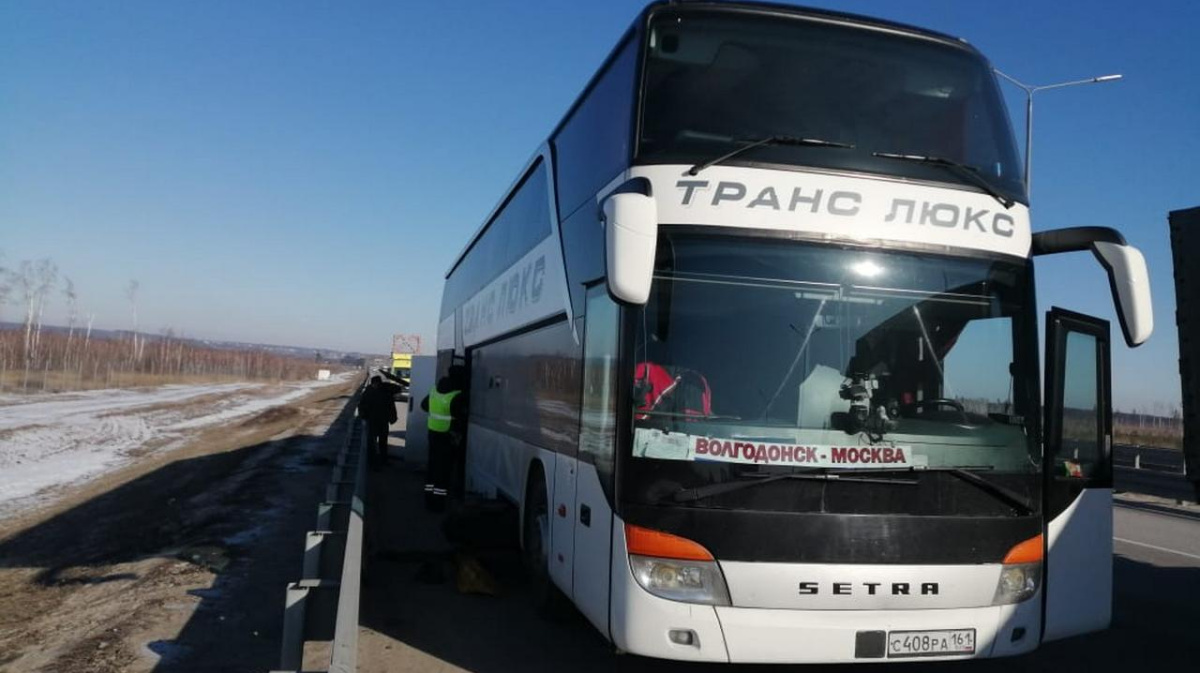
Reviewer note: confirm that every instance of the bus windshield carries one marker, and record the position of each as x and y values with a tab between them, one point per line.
717	80
768	356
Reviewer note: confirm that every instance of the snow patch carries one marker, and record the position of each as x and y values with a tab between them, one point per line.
50	440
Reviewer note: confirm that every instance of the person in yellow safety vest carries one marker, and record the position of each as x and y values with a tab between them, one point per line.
447	408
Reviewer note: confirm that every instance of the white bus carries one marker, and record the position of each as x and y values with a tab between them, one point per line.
753	345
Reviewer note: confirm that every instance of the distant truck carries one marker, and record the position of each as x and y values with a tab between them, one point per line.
402	369
1185	243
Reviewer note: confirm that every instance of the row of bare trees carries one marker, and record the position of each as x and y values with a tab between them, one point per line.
72	362
35	358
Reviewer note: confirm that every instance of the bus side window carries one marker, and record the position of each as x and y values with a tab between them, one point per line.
597	439
1080	452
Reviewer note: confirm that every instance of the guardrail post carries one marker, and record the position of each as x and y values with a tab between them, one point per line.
324	551
333	516
339	491
308	615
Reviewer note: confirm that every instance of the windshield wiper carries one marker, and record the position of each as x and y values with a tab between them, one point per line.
969	172
770	140
1001	493
760	478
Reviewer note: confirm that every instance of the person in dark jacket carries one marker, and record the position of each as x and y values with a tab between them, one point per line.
447	408
377	407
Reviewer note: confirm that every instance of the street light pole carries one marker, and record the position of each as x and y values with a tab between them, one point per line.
1029	91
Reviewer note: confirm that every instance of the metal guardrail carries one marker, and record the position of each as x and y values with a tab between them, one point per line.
1148	458
323	605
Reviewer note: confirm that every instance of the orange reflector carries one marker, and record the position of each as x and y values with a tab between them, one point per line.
1029	551
646	542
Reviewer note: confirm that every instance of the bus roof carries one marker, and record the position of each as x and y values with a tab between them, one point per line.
811	12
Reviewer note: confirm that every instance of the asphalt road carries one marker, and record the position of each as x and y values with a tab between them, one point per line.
1160	473
1169	485
414	618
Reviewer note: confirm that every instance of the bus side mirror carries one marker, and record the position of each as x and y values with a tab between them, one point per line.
630	237
1130	283
1126	268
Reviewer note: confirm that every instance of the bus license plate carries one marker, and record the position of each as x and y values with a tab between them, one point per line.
930	643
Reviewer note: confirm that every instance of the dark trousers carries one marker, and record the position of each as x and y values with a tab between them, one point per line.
440	470
377	442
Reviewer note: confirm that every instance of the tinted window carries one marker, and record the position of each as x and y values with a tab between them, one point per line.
594	144
714	80
1081	452
522	223
597	439
527	387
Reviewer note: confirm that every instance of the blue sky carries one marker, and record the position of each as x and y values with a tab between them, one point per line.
304	173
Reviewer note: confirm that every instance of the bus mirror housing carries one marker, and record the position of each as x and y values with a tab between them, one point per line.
630	237
1130	283
1128	277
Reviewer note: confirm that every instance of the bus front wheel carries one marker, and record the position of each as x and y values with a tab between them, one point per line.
548	600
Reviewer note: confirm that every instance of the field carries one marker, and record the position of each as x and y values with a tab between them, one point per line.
1147	430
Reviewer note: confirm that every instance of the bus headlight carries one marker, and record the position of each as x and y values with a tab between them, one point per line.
1018	582
1021	574
679	580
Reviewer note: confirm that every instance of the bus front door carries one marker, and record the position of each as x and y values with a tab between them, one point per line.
1078	475
597	446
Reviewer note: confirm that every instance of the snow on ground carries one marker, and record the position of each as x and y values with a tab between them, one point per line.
244	407
49	440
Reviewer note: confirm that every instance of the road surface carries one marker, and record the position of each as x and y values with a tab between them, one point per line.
414	619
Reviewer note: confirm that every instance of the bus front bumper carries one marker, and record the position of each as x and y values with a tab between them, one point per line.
647	625
794	636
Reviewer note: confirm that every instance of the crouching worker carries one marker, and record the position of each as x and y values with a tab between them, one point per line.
447	408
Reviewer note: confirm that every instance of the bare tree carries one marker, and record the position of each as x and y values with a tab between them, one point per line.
131	291
23	279
34	281
45	277
72	315
6	280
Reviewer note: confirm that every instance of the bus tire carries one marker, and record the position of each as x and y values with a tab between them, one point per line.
547	598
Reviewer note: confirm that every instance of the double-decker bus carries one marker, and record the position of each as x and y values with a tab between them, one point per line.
752	343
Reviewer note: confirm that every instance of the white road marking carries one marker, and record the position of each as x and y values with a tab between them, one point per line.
1158	548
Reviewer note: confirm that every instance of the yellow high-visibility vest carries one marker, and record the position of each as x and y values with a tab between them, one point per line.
439	410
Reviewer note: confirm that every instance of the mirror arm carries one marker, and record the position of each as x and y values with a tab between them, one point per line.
1128	278
1073	239
638	185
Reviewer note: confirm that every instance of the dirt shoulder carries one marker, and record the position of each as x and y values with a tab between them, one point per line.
176	562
